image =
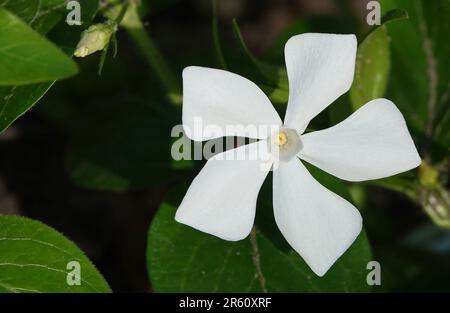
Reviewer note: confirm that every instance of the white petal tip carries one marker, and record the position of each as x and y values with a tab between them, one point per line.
350	37
178	217
322	229
372	143
322	268
192	135
320	271
418	160
188	69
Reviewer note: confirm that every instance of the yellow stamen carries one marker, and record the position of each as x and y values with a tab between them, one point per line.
281	139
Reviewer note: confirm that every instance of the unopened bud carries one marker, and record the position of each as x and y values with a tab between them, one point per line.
95	38
428	175
436	203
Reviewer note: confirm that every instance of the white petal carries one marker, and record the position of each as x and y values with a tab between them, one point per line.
221	200
372	143
219	99
316	222
320	68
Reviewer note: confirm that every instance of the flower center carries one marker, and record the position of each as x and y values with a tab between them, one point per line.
281	139
285	144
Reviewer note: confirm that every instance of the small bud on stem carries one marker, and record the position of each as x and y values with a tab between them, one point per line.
95	38
428	175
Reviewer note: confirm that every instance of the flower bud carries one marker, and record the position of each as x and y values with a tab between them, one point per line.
95	38
428	175
436	203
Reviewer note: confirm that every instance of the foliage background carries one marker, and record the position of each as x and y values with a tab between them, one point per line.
92	158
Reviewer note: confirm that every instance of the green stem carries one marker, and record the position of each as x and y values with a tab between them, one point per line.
216	37
133	24
240	38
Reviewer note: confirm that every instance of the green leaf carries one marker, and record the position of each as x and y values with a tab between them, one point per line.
16	100
373	63
35	257
182	259
26	57
420	79
393	15
371	69
41	15
27	10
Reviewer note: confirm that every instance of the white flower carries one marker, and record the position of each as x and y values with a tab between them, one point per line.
372	143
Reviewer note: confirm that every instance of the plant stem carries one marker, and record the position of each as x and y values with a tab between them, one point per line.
134	26
216	37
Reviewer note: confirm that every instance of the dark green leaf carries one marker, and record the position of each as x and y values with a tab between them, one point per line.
16	100
41	15
420	79
371	69
373	63
394	15
27	10
181	259
35	257
26	57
